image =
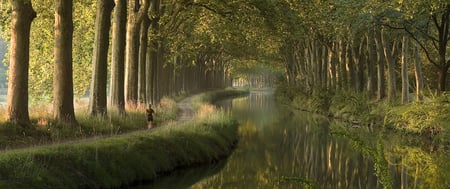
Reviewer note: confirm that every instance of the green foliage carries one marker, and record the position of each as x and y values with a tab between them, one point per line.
352	106
420	118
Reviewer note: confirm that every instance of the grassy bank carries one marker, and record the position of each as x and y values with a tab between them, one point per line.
429	118
46	130
118	161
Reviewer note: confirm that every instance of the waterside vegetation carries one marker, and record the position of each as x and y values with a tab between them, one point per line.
427	119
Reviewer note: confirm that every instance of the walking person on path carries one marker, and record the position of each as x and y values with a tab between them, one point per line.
150	113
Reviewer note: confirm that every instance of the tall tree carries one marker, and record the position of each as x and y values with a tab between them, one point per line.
17	102
143	49
405	80
381	83
418	73
63	108
136	14
118	56
97	99
388	54
151	73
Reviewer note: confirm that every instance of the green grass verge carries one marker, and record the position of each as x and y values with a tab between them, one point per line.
212	96
118	161
123	160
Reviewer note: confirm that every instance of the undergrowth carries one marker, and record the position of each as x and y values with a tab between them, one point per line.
429	118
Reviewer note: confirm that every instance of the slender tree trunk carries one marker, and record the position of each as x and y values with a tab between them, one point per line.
63	108
392	89
143	43
371	59
117	92
380	66
97	98
332	69
405	81
350	65
360	73
17	100
418	74
343	76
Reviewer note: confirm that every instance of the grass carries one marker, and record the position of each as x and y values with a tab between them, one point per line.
120	161
46	130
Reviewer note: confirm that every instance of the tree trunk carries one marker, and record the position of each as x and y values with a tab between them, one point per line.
350	65
143	43
405	81
392	89
371	57
342	77
380	66
333	72
136	15
418	74
117	92
63	109
443	31
17	101
97	98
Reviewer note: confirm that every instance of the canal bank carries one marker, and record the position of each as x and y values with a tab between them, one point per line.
284	148
123	160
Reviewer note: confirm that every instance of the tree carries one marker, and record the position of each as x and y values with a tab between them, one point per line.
97	99
143	50
17	102
63	108
150	68
136	14
418	73
405	80
118	56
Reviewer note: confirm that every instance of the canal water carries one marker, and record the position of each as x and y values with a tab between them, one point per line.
281	148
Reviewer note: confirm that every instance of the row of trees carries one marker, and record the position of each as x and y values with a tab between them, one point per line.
161	47
365	45
148	57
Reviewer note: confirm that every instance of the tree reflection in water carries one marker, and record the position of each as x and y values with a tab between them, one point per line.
279	148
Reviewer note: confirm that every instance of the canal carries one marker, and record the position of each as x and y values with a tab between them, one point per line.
282	148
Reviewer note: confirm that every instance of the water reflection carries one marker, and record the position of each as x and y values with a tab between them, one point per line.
279	148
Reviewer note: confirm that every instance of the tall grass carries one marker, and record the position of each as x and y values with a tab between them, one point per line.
46	130
120	161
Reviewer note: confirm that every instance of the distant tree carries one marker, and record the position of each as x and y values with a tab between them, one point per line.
97	99
17	101
63	108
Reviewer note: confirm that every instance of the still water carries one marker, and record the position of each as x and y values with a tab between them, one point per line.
281	148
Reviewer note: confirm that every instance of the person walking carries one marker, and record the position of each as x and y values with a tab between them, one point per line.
150	113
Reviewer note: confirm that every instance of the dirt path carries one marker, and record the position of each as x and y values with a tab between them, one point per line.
185	113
